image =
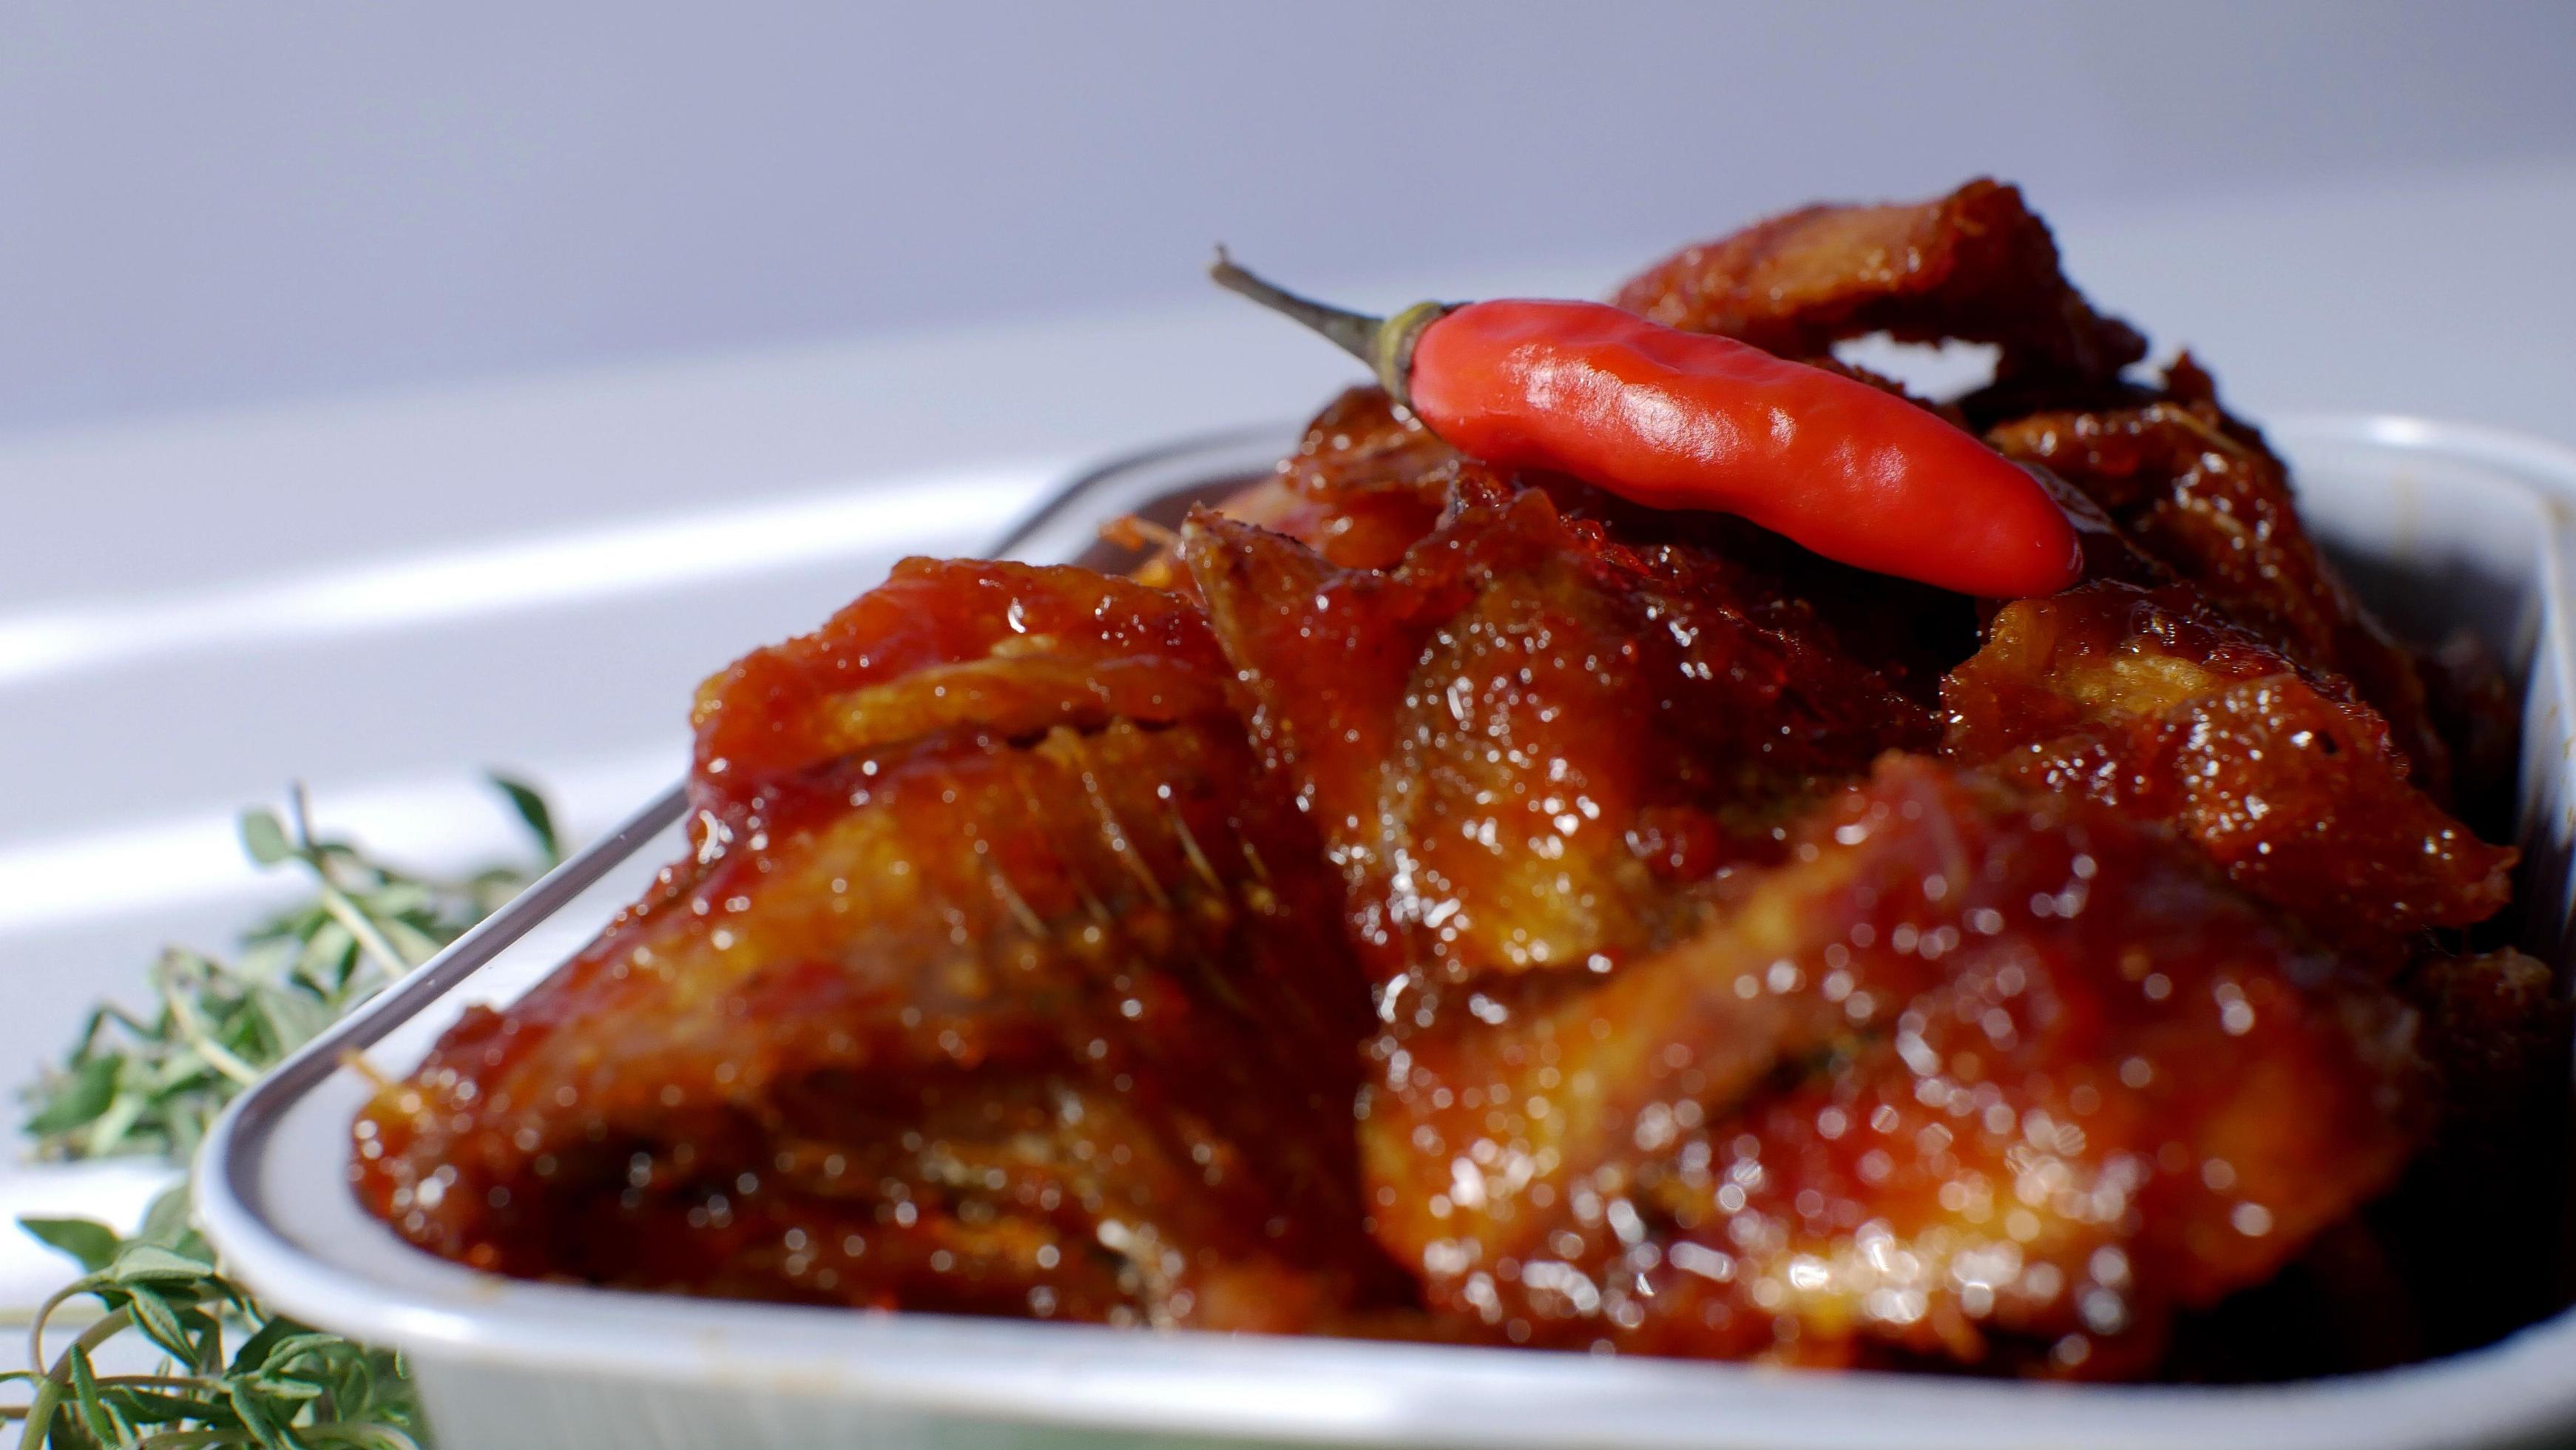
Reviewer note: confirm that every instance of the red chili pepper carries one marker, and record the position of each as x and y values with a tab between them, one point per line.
1686	420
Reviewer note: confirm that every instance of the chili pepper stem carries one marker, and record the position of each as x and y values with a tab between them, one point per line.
1384	343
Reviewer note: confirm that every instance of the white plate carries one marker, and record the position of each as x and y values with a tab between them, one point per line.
2471	523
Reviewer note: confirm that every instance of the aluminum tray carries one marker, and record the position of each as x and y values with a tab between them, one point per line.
2442	524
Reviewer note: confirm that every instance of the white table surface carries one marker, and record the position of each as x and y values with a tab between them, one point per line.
381	596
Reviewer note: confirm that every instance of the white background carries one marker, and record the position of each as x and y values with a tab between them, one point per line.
244	199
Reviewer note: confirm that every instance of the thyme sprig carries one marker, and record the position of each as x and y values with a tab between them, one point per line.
151	1085
283	1384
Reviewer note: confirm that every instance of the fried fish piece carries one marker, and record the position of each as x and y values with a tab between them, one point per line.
2202	493
1524	742
1977	264
1974	1078
2146	701
1000	978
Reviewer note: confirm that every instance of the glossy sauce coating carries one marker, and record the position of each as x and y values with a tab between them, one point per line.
1522	746
2144	701
1367	481
2202	494
1455	901
1972	1075
1565	1091
984	1004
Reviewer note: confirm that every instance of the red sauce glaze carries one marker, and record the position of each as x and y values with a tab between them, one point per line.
1524	741
1971	1076
1368	481
947	643
985	1011
1465	903
2145	701
2202	494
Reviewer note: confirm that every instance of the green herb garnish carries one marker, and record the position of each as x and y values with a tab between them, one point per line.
150	1085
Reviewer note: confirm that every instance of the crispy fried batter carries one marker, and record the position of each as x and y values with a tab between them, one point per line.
1001	981
2147	702
1977	264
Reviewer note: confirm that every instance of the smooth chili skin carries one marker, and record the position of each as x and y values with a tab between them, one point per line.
1686	420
